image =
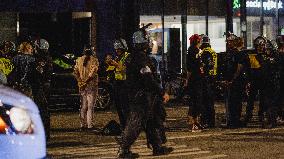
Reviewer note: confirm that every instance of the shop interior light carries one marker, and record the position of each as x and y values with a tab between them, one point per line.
268	5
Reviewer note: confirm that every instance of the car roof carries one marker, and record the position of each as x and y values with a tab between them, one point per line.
12	97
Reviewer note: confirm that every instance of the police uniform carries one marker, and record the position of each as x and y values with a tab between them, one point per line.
41	87
256	82
120	89
281	101
237	86
209	64
24	75
146	112
280	41
271	88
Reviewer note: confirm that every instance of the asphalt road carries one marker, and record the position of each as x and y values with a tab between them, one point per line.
67	141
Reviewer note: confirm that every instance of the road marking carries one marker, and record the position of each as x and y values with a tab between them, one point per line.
178	154
176	151
110	151
212	157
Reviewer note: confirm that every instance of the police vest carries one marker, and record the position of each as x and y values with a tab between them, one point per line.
254	63
120	73
214	56
6	66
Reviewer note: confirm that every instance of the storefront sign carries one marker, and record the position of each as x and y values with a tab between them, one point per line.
268	5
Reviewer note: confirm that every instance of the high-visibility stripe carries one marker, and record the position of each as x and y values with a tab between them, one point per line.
6	66
214	56
120	74
254	63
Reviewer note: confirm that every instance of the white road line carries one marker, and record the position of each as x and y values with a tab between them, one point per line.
101	149
195	136
212	157
178	154
176	151
113	151
111	147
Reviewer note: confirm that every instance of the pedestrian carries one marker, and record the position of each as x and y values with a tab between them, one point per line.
194	82
120	64
237	64
86	74
209	63
144	113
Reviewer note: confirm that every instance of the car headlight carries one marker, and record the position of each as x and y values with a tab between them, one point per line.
15	120
21	120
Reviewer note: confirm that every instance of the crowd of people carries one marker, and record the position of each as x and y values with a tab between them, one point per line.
28	70
246	74
139	97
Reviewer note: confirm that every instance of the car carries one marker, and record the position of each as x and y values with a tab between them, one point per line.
64	94
21	129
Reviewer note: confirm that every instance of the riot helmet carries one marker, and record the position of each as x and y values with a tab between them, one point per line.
280	40
8	47
270	47
259	43
260	40
43	44
230	40
205	39
230	36
120	44
140	37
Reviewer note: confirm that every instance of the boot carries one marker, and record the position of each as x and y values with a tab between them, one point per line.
163	150
126	154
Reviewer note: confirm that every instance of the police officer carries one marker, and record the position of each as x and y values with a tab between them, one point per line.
119	65
255	80
8	49
41	87
237	63
143	91
7	52
209	64
271	85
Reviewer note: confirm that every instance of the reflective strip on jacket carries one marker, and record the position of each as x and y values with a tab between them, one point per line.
214	56
120	73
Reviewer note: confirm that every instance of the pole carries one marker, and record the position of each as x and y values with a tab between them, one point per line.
229	17
243	21
184	34
261	18
163	43
277	18
206	17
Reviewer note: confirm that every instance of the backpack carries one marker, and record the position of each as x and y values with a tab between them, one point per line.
112	129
